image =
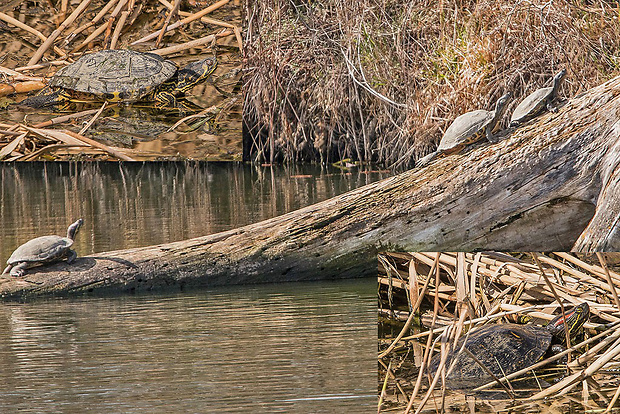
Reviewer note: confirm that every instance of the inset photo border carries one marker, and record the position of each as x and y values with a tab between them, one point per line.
498	330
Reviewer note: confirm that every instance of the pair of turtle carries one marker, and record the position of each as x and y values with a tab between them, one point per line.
472	126
42	250
123	76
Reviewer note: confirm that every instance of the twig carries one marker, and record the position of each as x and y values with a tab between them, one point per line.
612	287
188	45
92	120
189	19
387	375
10	147
171	13
99	145
65	118
411	316
29	29
118	28
46	45
94	21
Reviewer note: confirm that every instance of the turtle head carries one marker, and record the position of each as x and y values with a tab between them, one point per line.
557	79
573	320
74	228
500	105
194	73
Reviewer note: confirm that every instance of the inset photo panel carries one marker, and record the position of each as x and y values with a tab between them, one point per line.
496	331
121	80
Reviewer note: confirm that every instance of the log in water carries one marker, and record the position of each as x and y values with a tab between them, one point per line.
549	185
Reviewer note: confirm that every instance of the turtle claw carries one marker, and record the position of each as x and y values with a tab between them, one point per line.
18	270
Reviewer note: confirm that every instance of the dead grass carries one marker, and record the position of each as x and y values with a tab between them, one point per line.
380	81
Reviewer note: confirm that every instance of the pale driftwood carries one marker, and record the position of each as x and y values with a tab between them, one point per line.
551	185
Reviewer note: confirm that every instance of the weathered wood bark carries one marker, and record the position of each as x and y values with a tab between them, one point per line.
550	185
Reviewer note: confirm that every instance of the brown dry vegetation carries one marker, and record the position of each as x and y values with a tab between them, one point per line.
381	80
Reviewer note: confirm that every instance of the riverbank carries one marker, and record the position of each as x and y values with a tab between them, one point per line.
381	82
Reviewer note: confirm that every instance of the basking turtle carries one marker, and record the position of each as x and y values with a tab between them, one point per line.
123	76
507	348
469	128
537	102
42	250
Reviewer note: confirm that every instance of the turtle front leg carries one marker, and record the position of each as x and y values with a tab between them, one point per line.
6	269
19	269
557	349
71	256
489	133
165	99
551	107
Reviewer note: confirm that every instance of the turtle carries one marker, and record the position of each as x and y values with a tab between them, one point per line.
469	128
42	250
123	76
507	348
536	102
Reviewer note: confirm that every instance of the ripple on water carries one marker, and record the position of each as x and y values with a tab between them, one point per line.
301	347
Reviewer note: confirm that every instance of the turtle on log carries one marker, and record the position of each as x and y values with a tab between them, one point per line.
536	102
467	129
123	76
42	250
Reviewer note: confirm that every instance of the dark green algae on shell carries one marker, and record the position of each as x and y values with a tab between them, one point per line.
123	75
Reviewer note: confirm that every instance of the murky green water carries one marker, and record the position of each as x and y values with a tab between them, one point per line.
295	348
139	204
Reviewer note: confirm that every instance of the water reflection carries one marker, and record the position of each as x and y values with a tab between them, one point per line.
304	347
128	205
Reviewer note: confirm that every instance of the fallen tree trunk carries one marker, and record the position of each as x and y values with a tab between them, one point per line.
548	186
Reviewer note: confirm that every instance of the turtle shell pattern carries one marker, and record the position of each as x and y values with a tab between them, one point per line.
122	74
503	349
532	105
42	249
465	129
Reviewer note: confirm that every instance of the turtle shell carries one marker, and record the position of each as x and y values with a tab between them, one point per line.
41	249
122	75
532	105
503	349
465	129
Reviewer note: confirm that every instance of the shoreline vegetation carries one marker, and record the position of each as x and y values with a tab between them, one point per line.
380	81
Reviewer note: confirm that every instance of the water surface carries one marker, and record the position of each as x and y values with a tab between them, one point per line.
127	205
295	348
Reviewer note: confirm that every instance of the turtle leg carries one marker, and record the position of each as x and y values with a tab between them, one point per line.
165	99
427	159
551	107
489	133
557	349
6	269
71	256
19	269
47	97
